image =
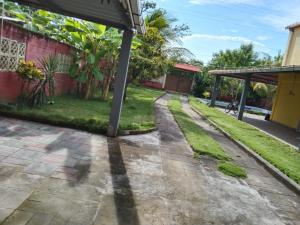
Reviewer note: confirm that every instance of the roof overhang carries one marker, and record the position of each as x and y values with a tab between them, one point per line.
267	75
122	14
187	67
293	26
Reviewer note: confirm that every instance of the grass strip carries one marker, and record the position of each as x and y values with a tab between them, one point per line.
201	142
281	155
231	169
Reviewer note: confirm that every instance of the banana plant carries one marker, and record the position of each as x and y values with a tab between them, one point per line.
87	37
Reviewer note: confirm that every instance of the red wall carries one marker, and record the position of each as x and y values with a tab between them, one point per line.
153	84
37	46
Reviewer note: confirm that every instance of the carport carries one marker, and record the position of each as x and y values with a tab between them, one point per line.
268	75
122	14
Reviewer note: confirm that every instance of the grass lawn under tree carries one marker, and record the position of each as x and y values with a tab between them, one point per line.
93	115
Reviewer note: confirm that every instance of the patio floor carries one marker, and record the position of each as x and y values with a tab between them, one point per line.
59	176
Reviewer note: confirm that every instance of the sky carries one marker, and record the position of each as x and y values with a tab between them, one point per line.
226	24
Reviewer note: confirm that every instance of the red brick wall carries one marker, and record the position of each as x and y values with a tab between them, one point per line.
37	46
153	84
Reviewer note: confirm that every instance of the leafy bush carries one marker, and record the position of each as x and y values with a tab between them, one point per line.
28	71
43	79
206	94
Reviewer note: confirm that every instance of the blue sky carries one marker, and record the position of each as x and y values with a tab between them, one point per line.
226	24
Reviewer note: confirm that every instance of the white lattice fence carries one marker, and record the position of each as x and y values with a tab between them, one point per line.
64	63
11	52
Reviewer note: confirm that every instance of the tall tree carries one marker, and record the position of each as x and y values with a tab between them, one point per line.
153	57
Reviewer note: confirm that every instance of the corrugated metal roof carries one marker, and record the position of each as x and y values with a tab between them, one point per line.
187	67
123	14
264	74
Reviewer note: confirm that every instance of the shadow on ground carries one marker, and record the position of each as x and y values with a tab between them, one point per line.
123	196
77	161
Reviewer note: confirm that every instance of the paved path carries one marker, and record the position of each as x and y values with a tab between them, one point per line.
59	176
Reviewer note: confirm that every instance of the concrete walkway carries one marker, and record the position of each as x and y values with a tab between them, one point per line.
59	176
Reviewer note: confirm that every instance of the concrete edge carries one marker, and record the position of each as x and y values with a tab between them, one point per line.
137	132
272	169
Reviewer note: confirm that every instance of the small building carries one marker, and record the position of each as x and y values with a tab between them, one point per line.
179	79
286	108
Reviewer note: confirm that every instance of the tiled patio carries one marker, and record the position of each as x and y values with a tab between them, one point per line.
58	176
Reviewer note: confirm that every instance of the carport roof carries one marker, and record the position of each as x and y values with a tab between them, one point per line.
122	14
264	74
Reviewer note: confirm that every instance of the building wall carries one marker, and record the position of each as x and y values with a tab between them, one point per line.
286	109
37	46
177	83
292	56
157	83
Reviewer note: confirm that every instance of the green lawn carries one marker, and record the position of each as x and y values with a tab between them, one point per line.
277	153
93	115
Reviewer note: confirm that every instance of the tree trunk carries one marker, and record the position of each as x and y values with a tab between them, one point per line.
106	88
88	88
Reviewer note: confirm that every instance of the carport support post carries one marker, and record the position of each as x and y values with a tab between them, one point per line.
120	82
215	91
244	97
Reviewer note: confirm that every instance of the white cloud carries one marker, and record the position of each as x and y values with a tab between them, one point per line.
225	2
262	37
283	14
210	37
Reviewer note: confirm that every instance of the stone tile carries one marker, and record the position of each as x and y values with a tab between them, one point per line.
18	218
57	221
8	151
54	158
43	169
28	155
20	180
4	213
40	219
17	161
14	198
